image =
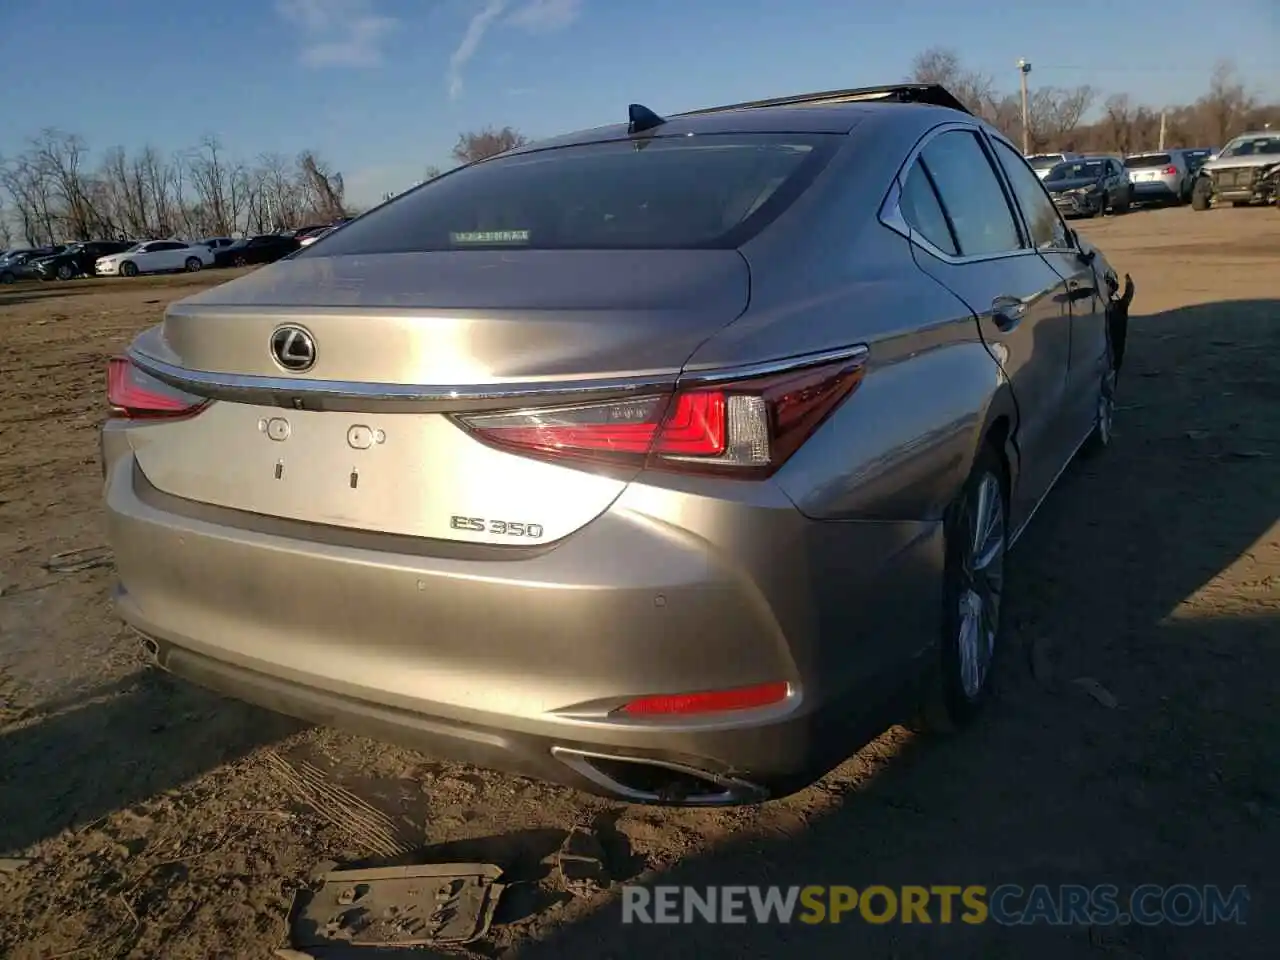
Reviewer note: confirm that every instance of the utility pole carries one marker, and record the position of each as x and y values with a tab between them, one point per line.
1164	117
1024	68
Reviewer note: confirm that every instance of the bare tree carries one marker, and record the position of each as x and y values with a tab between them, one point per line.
942	65
1227	103
1118	121
482	144
61	160
324	188
1054	113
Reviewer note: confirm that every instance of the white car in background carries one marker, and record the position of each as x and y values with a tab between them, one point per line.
155	256
1042	163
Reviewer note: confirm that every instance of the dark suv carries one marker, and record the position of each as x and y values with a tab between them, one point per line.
77	259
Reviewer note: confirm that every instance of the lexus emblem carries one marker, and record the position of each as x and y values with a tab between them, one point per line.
293	348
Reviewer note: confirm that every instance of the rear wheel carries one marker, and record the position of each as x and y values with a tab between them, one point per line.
240	261
65	272
194	264
977	538
128	269
1201	194
7	278
1240	203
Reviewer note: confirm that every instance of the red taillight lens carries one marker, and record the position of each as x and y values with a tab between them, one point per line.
712	701
1170	171
745	428
137	395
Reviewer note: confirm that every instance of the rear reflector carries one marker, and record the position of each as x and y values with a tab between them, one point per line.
711	701
136	395
742	428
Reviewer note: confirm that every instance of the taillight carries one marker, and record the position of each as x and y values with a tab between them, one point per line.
136	395
744	427
1170	171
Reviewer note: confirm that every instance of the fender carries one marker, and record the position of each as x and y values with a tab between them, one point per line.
907	437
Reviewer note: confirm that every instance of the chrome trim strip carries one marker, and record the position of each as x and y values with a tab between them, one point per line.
732	789
694	375
891	216
231	386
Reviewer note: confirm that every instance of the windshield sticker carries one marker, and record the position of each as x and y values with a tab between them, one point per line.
490	236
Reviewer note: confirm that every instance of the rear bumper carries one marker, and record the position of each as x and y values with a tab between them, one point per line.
510	663
1153	190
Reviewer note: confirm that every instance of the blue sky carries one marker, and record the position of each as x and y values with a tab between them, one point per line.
381	88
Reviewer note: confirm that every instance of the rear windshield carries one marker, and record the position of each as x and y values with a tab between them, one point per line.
1043	161
663	193
1148	160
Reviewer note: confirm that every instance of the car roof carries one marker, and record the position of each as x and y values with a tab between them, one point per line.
819	117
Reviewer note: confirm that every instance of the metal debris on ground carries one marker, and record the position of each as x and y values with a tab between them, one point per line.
581	861
75	561
420	905
1097	691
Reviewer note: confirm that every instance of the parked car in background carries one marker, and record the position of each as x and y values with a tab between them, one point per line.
313	237
1042	163
78	259
155	256
1159	177
20	266
264	248
1245	171
216	243
302	233
1090	186
673	459
1196	158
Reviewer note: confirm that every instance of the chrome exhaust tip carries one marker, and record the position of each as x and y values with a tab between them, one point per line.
638	780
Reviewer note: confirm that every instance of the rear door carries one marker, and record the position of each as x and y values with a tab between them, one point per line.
979	252
1087	356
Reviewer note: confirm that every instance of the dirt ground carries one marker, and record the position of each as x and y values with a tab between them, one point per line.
146	818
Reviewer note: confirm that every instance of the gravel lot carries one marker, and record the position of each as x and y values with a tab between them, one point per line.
161	821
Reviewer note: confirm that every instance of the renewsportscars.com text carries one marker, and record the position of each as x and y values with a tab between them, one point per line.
1007	904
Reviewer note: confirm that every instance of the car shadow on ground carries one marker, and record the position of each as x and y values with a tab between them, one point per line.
1175	781
76	760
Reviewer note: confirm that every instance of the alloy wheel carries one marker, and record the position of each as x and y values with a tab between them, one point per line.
981	584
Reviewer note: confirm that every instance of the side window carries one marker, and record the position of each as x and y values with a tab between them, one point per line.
971	194
1047	228
923	211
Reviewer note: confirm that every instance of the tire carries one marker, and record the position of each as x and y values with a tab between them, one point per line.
240	261
1201	194
7	278
128	269
1240	203
959	681
65	272
1105	412
1127	205
194	264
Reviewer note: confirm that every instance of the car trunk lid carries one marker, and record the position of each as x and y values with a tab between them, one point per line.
362	438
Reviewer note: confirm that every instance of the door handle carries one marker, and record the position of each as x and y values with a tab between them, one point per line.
1007	312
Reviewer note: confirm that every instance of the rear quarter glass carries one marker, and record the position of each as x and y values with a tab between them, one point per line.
708	191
